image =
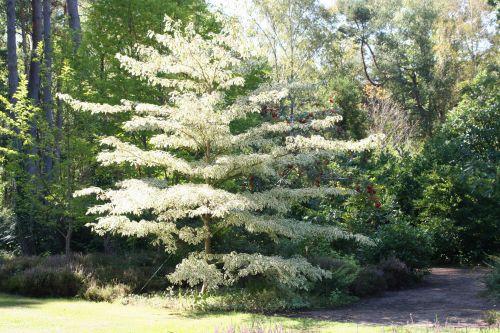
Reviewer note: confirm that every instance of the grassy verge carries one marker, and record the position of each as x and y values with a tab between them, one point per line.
20	314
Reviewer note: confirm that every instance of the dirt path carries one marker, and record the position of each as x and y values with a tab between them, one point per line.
448	296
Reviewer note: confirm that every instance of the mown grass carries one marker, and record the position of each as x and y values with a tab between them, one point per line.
21	314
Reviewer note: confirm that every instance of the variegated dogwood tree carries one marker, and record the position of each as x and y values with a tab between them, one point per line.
196	154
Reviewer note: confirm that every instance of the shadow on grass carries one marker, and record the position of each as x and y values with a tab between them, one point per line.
259	320
7	301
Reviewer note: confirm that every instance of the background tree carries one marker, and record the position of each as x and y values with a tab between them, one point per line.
408	47
13	75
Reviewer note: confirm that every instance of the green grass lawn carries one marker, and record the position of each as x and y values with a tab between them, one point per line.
20	314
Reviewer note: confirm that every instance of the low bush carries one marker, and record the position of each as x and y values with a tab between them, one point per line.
344	271
253	329
341	298
107	293
262	301
399	239
107	278
492	317
396	274
45	282
369	281
493	279
95	277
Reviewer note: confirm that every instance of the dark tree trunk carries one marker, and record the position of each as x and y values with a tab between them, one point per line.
13	75
12	48
424	114
23	20
59	124
365	66
26	227
48	101
24	46
67	240
34	75
74	21
108	245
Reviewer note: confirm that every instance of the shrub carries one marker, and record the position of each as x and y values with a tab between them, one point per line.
457	174
403	241
45	282
369	281
11	265
493	279
265	300
107	293
492	317
253	329
396	273
134	270
343	272
100	277
341	298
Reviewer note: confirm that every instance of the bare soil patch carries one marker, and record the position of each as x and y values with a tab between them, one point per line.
448	296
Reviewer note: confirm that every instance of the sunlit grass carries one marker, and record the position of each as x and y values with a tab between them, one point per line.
20	314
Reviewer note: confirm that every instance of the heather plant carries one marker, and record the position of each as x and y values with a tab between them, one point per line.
93	277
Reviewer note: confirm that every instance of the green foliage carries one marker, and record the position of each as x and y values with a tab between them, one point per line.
115	26
344	271
493	279
264	300
492	317
400	239
346	94
15	121
457	172
341	298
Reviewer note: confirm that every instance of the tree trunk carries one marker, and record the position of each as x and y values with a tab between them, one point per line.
12	48
48	101
24	45
26	227
74	21
59	124
424	114
34	75
365	66
67	240
208	246
13	75
108	245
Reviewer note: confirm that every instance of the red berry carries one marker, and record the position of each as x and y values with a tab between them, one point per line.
378	204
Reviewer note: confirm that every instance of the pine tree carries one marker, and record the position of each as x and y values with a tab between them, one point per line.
196	154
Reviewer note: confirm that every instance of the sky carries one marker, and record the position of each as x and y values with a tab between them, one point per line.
237	7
